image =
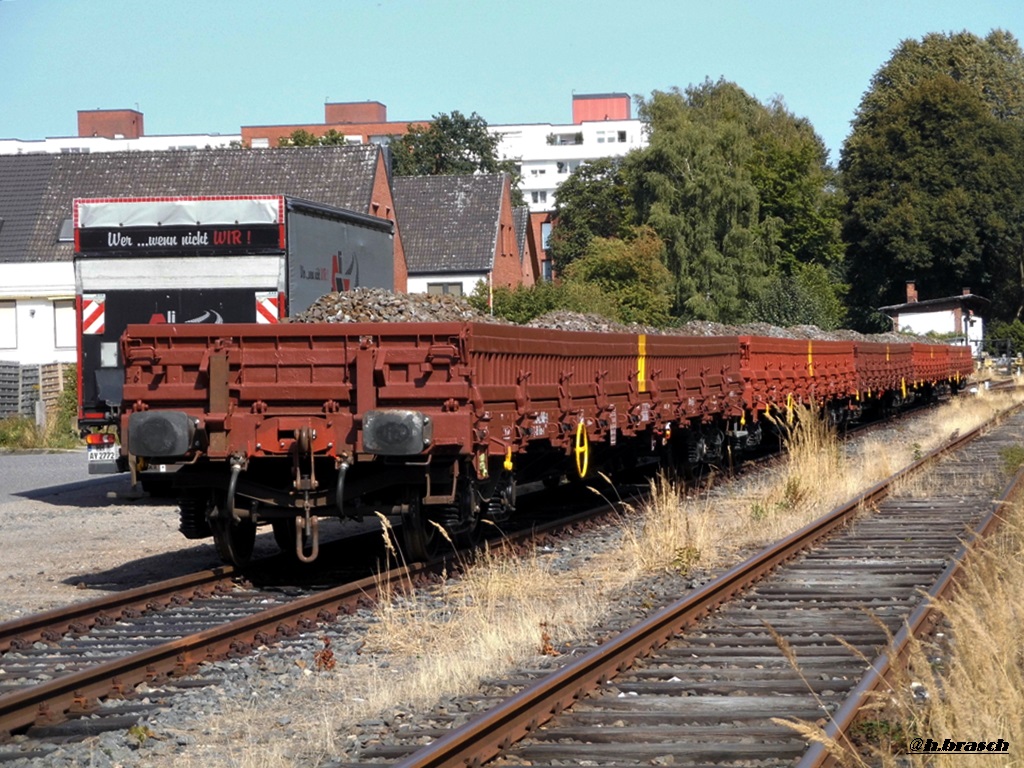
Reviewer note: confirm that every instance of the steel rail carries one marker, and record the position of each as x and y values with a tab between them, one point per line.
917	624
57	622
77	692
495	731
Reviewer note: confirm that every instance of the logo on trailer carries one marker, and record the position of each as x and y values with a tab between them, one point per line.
94	313
344	277
267	308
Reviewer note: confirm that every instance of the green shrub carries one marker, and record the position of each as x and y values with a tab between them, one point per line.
19	432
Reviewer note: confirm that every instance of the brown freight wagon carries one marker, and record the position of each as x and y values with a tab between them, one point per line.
423	421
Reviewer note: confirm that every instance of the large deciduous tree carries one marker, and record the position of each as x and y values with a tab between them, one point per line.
450	144
631	273
595	201
741	193
933	173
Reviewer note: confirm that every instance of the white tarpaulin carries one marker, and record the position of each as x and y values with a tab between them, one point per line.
182	211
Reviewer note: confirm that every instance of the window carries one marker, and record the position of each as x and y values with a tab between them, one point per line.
260	143
66	232
622	137
444	289
563	167
539	197
545	234
64	324
8	325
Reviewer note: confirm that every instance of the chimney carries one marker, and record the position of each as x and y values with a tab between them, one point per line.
967	291
911	292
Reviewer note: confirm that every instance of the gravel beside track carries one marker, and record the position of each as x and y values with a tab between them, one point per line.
66	537
91	540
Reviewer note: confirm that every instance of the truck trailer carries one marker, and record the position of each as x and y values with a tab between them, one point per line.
202	260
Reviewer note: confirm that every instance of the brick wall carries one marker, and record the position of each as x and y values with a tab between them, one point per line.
111	123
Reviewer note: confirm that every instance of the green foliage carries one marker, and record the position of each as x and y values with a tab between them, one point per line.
1002	331
303	138
595	201
808	295
19	433
452	144
631	273
933	173
299	138
1012	457
693	186
522	304
449	144
62	431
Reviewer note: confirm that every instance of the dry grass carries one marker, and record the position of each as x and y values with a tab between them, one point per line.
505	611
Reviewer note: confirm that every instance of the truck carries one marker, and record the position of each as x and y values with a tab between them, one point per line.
201	260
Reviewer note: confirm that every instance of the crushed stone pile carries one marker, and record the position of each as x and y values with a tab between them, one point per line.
377	305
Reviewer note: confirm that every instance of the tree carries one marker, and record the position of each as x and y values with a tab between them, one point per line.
303	138
692	184
449	144
933	173
631	272
595	201
805	295
299	138
522	304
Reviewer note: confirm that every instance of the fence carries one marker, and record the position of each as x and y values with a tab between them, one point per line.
22	386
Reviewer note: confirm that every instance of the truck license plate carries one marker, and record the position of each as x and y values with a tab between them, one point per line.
103	453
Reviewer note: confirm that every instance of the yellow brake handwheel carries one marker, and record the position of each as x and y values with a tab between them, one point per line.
582	449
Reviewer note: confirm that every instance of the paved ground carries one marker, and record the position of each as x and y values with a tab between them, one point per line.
34	475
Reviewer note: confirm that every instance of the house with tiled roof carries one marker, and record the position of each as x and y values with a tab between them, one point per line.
37	322
459	231
960	316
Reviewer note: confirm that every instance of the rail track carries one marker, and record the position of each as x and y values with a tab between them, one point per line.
59	665
800	631
56	667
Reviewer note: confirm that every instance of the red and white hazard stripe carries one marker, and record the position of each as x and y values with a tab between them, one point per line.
94	313
267	308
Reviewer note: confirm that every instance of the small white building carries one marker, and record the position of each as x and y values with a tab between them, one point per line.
960	316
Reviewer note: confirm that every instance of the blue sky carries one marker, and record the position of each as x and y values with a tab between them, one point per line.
199	66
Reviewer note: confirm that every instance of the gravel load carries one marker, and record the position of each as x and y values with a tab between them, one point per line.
377	305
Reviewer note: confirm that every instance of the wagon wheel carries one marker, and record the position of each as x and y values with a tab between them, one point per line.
420	537
234	539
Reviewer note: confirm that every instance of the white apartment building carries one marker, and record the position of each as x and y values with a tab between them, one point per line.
84	144
547	153
602	126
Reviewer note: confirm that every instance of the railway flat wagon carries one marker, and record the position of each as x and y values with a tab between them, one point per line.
436	424
885	375
782	373
940	369
427	422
